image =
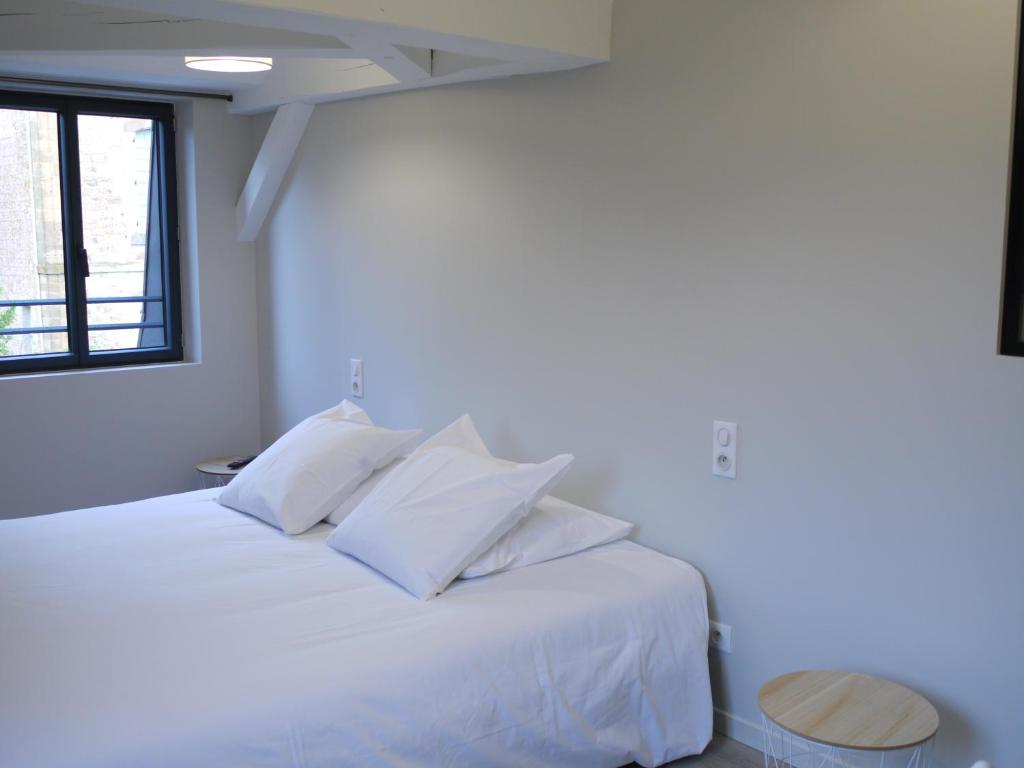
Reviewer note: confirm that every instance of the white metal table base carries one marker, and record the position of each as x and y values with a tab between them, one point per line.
207	480
783	749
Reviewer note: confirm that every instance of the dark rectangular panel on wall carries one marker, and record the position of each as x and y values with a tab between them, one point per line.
1011	340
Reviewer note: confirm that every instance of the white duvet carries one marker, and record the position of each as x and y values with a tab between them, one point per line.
176	632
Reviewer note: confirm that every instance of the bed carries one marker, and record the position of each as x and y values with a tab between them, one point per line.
174	631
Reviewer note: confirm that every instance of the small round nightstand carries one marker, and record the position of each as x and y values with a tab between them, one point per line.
215	472
828	718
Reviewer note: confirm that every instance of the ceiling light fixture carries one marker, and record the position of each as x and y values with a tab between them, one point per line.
229	63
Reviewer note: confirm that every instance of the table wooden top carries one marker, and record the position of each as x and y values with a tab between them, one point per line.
219	465
847	710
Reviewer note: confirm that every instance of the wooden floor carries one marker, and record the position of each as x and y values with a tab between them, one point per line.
722	753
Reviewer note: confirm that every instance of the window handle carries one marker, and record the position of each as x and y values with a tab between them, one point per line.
84	255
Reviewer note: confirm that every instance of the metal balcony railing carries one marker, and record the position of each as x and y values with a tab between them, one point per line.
64	328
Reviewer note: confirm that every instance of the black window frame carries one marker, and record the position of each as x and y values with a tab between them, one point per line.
1011	336
67	109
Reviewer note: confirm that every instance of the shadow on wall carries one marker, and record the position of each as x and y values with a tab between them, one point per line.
954	728
596	477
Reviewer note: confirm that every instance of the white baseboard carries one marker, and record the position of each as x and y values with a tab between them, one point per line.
739	729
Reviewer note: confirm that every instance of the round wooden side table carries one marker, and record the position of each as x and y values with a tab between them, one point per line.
827	718
215	472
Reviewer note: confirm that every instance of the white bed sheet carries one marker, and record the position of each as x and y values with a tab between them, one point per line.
176	632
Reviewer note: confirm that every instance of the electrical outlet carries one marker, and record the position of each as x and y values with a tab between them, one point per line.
723	449
356	376
720	637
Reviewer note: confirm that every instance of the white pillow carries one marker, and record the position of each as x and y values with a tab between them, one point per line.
554	528
312	468
361	492
441	508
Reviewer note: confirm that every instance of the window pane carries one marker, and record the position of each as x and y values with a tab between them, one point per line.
100	341
31	232
126	312
16	320
121	230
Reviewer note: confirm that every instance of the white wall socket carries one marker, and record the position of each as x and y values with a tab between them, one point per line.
356	376
723	449
720	637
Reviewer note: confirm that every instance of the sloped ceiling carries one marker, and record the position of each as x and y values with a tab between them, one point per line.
323	50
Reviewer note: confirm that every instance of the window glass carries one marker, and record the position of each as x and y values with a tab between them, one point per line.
117	162
33	315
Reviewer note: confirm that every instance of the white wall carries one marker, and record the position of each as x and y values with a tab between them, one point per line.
84	438
787	214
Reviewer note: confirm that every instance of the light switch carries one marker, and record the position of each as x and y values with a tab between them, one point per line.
356	376
723	449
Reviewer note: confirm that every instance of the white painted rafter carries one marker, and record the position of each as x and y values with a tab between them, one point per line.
577	28
312	82
317	83
406	65
404	39
45	27
269	168
411	43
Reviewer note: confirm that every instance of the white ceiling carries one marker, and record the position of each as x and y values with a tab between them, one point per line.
323	50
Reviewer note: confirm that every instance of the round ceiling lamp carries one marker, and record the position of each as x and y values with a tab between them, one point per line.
229	63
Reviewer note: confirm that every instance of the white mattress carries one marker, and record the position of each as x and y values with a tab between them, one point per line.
175	632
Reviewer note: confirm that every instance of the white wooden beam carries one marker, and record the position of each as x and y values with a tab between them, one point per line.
405	64
157	35
445	63
501	29
218	50
311	82
269	168
409	43
317	82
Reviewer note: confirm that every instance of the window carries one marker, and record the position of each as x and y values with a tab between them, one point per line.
1012	336
88	233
